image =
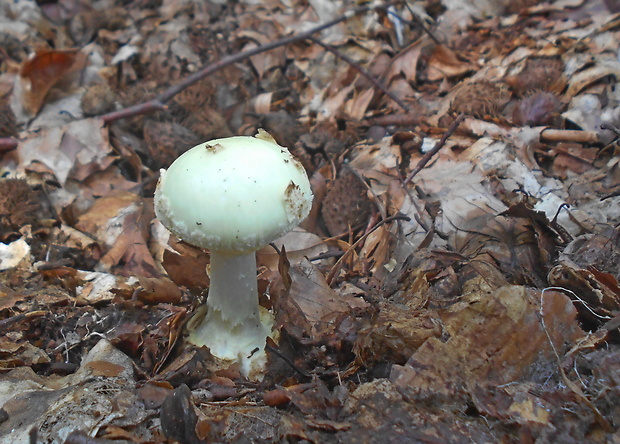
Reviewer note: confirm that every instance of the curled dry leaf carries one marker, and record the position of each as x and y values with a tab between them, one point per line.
40	72
120	223
444	63
597	295
310	307
583	79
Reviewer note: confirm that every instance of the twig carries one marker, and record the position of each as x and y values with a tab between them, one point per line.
158	103
286	359
612	128
420	23
555	135
600	419
7	144
428	156
5	324
362	71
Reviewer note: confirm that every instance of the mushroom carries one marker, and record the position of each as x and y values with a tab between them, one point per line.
233	196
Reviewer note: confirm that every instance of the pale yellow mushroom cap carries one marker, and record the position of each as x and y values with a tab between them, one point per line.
235	194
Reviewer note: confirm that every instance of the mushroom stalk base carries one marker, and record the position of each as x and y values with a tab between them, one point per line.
235	328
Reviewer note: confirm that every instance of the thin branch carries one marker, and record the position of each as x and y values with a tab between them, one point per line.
428	156
7	144
578	136
287	360
158	103
362	71
418	21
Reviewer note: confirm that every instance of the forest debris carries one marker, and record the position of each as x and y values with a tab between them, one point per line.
406	61
21	205
538	74
186	265
8	125
73	150
378	408
346	204
14	254
495	339
153	394
158	290
310	308
97	287
82	401
98	99
395	334
444	63
120	223
581	80
432	291
600	251
480	99
178	416
597	298
557	135
299	244
540	108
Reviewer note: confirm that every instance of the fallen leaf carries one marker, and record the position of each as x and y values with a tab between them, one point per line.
104	368
444	63
44	69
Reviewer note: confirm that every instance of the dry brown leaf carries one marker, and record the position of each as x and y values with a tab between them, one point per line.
104	368
395	334
186	265
299	244
120	223
581	80
43	70
310	306
493	339
154	290
444	64
597	294
81	148
406	62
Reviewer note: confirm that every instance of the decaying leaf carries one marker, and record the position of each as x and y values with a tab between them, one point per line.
43	70
178	418
310	304
395	334
120	223
444	63
493	339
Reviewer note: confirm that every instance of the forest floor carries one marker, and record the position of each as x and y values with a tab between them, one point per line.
456	280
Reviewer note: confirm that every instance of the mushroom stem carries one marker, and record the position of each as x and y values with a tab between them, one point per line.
234	327
233	289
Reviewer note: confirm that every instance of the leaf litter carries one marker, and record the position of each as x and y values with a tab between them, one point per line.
467	295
